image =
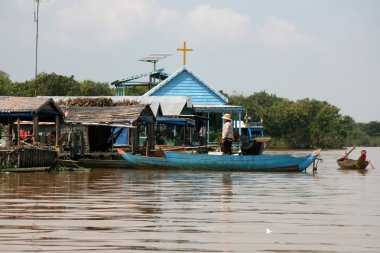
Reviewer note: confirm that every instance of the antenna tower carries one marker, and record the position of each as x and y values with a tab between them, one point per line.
36	12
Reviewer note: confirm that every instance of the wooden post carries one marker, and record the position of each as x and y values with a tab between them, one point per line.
73	146
132	138
208	128
35	129
18	131
130	134
57	130
147	148
19	157
112	139
184	134
151	135
135	138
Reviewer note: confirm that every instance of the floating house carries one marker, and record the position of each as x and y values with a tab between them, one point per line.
17	111
91	129
174	118
91	133
175	113
205	99
30	130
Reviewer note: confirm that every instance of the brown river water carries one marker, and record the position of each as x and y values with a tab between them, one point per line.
121	210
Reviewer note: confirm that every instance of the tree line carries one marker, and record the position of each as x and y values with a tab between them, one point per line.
52	84
305	123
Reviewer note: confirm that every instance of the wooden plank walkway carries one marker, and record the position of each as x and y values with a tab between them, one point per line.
32	169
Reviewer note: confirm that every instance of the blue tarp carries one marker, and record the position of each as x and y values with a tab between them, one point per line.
120	136
176	121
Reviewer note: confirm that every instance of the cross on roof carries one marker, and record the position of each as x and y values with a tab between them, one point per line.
184	50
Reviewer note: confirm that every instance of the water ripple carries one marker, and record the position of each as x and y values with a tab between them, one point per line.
119	210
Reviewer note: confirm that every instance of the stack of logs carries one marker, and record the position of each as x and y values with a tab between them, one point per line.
96	102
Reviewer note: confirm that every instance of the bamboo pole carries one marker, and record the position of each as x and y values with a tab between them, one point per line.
57	130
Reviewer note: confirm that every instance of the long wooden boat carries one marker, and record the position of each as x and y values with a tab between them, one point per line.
181	160
94	163
352	164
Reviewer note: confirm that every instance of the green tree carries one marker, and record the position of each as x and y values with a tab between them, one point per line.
364	134
357	137
23	89
54	85
288	121
91	88
372	128
5	83
328	128
136	90
255	104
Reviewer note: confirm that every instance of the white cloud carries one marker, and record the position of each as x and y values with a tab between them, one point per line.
207	23
168	21
105	22
282	35
102	21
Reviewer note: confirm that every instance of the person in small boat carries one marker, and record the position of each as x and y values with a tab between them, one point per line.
227	134
362	158
343	156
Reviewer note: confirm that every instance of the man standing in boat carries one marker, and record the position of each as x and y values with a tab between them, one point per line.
227	134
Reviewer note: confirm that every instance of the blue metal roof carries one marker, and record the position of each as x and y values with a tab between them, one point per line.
184	83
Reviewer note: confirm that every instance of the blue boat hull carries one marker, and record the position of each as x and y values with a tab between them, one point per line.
270	163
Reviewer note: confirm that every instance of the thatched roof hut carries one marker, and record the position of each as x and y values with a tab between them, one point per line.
117	116
28	107
35	109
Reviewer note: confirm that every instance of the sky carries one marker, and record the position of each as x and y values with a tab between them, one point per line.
319	49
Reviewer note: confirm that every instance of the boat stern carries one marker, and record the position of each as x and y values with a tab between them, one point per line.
304	165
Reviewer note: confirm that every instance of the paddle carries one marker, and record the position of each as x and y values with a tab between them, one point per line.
350	151
371	164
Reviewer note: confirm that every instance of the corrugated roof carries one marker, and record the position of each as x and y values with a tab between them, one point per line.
27	104
113	114
170	108
185	83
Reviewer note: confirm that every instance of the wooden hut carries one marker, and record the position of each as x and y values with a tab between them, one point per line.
95	127
37	111
21	115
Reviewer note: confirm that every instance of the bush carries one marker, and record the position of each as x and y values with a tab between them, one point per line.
358	138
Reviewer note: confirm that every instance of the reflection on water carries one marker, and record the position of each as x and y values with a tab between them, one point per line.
348	171
144	210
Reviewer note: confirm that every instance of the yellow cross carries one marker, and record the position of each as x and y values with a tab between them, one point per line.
184	50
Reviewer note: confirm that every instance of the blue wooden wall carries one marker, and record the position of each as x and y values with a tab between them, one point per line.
184	83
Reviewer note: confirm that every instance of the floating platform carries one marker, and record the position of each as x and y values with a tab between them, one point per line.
28	157
33	169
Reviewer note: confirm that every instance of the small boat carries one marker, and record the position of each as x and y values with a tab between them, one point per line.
253	139
351	164
182	160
